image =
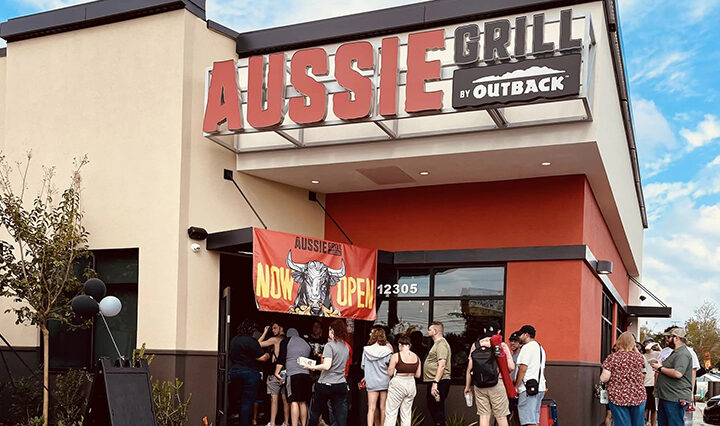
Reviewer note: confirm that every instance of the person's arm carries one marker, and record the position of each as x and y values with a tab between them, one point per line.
508	356
269	342
605	375
325	366
278	369
391	366
522	368
263	357
362	362
694	375
467	376
670	372
264	333
418	372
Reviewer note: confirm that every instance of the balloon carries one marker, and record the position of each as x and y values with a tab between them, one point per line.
84	306
95	288
110	306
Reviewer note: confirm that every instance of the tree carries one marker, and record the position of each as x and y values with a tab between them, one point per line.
704	333
40	257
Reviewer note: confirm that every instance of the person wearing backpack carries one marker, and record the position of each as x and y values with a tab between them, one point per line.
530	379
484	374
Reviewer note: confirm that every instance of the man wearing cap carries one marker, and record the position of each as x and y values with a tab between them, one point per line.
651	352
531	374
673	387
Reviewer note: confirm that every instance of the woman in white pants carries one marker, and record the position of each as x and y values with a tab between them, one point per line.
404	368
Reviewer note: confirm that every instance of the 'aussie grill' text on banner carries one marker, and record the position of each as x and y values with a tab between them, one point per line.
308	276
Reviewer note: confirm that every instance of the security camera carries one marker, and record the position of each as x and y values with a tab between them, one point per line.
642	298
195	247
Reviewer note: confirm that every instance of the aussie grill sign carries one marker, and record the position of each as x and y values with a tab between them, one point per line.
309	276
494	63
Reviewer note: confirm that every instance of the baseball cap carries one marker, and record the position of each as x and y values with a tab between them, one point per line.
676	331
529	329
649	346
648	339
514	337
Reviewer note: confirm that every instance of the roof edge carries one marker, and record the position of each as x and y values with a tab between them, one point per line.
90	15
222	29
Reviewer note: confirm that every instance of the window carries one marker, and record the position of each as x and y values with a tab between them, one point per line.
462	298
607	327
81	348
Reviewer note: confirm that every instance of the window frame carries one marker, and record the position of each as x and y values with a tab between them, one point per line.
431	270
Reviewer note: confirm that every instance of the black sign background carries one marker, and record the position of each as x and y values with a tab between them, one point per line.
568	65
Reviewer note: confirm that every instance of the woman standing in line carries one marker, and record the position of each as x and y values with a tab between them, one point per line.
404	368
622	370
331	385
375	360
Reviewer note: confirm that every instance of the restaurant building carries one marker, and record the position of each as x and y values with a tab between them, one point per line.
482	150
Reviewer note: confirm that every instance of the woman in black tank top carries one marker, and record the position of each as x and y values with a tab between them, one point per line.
401	390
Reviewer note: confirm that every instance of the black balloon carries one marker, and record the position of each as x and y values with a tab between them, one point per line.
85	306
96	288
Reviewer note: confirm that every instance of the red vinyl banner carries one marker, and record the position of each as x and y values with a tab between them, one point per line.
308	276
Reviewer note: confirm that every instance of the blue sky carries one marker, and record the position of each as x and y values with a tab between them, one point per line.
672	62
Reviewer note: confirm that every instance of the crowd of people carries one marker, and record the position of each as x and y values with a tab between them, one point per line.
650	385
308	375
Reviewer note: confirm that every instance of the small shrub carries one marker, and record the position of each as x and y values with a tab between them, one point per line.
70	397
24	400
170	408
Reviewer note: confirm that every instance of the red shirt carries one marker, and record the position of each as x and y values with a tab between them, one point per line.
626	386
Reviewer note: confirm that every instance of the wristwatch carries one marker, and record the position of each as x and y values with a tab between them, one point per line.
435	381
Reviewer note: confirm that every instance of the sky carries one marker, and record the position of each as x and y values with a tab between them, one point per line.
672	63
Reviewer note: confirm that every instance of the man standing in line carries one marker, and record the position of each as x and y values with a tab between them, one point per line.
515	346
673	387
298	383
437	373
530	380
275	387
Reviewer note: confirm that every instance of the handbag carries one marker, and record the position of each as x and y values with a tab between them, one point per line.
532	386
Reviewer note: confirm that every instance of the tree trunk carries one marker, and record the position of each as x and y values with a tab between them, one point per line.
46	374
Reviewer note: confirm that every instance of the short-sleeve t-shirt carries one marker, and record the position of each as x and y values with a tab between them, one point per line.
244	351
530	357
339	354
440	350
671	389
626	386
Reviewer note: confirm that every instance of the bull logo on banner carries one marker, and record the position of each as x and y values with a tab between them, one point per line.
315	279
309	276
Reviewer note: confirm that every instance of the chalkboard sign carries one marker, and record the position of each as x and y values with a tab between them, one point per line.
120	396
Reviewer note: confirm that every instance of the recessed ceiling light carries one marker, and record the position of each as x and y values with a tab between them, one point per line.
314	181
545	163
424	173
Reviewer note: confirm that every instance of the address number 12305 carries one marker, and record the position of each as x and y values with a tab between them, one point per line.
388	289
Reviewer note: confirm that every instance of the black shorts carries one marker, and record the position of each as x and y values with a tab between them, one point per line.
299	387
650	402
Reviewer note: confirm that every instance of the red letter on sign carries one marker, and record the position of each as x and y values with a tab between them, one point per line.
223	99
362	53
388	76
302	60
419	71
258	115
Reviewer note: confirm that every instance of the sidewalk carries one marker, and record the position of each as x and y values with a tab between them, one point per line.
697	417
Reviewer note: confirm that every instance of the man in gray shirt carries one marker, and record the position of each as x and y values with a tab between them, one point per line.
299	384
674	380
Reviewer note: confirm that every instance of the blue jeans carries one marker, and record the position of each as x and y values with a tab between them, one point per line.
628	415
336	394
670	413
244	383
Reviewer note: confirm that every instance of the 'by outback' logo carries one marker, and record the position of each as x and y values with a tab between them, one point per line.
524	81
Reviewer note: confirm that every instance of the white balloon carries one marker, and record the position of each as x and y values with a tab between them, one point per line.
110	306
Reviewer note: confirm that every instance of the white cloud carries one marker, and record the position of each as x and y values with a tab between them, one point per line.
655	138
245	15
699	9
667	192
657	65
44	5
715	162
705	132
3	43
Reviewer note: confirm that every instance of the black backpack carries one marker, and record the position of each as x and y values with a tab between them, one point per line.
485	369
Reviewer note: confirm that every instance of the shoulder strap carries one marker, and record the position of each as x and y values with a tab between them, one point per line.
540	366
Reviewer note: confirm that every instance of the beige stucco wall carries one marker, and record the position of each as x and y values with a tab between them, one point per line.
130	96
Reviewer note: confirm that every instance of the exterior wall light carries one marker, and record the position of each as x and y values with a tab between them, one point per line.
314	181
604	267
545	163
424	173
197	233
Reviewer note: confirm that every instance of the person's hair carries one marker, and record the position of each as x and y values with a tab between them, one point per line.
377	335
339	329
667	330
439	325
404	340
625	342
246	328
279	324
513	338
416	337
490	329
